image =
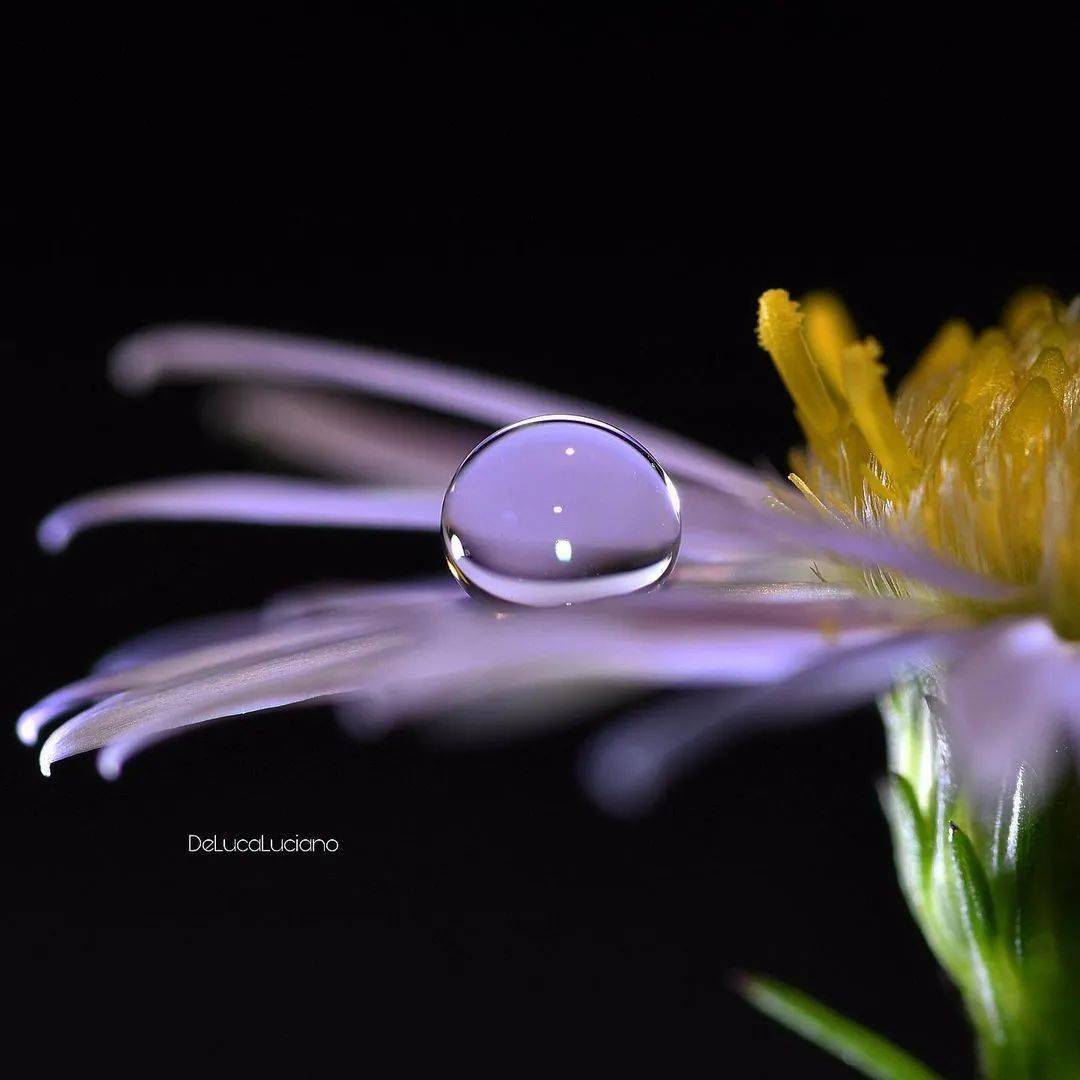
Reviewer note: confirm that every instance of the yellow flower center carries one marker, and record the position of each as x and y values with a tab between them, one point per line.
978	456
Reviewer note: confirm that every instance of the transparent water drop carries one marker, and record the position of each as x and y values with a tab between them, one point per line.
557	510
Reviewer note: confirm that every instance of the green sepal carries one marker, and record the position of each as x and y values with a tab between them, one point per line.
857	1046
912	842
1011	845
973	888
1014	826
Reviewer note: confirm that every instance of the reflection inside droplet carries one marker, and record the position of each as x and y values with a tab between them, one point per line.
617	528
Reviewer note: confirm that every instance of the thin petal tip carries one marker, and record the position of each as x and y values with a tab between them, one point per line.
621	777
133	364
48	756
27	727
55	532
109	764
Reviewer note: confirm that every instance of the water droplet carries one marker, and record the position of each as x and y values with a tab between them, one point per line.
617	528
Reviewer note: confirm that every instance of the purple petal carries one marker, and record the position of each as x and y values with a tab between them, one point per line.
380	443
203	352
363	599
262	500
1008	701
629	765
174	666
281	680
302	603
667	638
798	528
183	636
420	649
346	439
114	756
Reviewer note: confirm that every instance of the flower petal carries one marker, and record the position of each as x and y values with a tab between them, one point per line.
363	599
275	642
347	439
677	637
205	352
1008	700
629	765
433	654
289	623
269	683
264	500
797	528
178	637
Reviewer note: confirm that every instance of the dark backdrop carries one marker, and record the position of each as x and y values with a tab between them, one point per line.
591	205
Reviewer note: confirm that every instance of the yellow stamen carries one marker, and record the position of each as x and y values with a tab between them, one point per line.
1050	365
829	329
1062	568
864	389
780	334
1030	431
877	485
921	391
1033	426
1025	308
945	353
979	458
989	372
814	501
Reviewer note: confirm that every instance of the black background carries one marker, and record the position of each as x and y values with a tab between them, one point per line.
590	203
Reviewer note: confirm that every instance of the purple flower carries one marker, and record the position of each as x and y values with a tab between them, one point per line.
939	533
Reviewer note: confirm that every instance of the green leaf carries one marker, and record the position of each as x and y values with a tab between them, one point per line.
862	1049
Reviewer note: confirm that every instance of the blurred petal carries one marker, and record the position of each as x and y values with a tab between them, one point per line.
342	438
678	637
256	499
178	637
771	575
629	765
303	603
205	352
346	439
798	528
366	599
450	653
1009	700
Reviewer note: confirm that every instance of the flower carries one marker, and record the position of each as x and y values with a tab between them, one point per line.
937	533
